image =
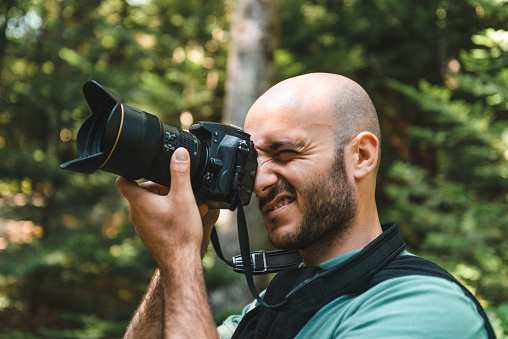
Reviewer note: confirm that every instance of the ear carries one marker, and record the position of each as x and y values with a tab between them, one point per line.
366	151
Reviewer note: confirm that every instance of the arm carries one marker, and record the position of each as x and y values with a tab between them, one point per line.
147	321
171	227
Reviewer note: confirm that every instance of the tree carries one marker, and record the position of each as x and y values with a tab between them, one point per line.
465	130
72	265
250	72
80	270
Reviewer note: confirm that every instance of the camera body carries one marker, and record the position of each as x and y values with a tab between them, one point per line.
231	163
126	141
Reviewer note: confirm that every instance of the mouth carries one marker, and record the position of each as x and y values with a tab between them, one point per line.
278	204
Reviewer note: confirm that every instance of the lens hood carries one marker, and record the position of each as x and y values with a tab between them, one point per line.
89	143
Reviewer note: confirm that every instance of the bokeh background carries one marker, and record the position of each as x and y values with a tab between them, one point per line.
71	265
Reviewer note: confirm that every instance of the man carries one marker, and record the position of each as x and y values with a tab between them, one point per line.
317	138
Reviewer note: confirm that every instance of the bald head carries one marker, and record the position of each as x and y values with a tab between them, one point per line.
351	107
324	98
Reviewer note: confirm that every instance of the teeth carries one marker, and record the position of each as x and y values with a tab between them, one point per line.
281	203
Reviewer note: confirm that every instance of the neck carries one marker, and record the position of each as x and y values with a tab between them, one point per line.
359	234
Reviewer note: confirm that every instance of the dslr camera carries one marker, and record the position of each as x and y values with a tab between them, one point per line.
126	141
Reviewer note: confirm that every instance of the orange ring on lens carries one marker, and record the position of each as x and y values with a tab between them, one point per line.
117	138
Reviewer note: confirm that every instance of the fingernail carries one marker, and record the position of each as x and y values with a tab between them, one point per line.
181	155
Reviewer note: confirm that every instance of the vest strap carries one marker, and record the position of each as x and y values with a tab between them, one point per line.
346	277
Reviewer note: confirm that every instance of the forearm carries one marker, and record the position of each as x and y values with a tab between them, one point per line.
172	309
186	310
148	320
176	232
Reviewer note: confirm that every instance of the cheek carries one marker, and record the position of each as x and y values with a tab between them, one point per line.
314	180
313	170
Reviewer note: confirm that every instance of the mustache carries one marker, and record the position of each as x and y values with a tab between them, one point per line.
281	187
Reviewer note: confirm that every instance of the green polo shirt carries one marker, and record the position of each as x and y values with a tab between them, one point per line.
412	306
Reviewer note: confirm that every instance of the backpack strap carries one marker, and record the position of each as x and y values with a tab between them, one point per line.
308	289
265	323
412	265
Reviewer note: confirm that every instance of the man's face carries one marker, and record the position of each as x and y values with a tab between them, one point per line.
302	186
328	207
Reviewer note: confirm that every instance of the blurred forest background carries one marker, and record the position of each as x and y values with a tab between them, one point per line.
71	265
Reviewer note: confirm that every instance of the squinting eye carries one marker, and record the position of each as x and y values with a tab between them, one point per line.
286	153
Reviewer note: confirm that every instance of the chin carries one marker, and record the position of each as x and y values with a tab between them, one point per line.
284	238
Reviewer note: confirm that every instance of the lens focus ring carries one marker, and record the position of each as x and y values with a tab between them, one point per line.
150	145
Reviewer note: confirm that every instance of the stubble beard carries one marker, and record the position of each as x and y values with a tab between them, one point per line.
328	207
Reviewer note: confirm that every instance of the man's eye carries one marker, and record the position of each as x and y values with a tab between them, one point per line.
286	153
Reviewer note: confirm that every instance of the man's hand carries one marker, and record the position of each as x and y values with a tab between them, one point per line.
208	217
170	225
167	222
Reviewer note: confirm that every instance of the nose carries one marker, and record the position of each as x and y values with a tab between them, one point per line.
266	177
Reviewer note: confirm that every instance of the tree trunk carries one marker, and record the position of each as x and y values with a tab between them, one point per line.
250	73
251	63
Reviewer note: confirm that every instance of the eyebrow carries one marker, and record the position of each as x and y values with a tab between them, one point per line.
276	145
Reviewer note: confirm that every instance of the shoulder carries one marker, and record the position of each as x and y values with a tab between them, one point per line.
412	306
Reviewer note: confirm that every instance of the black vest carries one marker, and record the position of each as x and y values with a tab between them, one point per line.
263	322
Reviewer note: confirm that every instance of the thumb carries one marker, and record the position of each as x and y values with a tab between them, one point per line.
180	172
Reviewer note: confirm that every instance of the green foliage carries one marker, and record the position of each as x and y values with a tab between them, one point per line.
71	263
457	206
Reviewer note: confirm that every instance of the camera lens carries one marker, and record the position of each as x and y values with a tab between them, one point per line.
140	146
124	140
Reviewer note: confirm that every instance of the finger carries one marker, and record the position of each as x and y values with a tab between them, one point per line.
129	188
210	218
203	209
180	174
154	188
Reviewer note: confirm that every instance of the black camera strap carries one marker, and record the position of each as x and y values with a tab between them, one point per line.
262	262
325	285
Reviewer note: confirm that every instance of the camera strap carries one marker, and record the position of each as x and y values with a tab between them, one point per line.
325	285
262	262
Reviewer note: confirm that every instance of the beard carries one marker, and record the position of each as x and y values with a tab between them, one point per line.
328	207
